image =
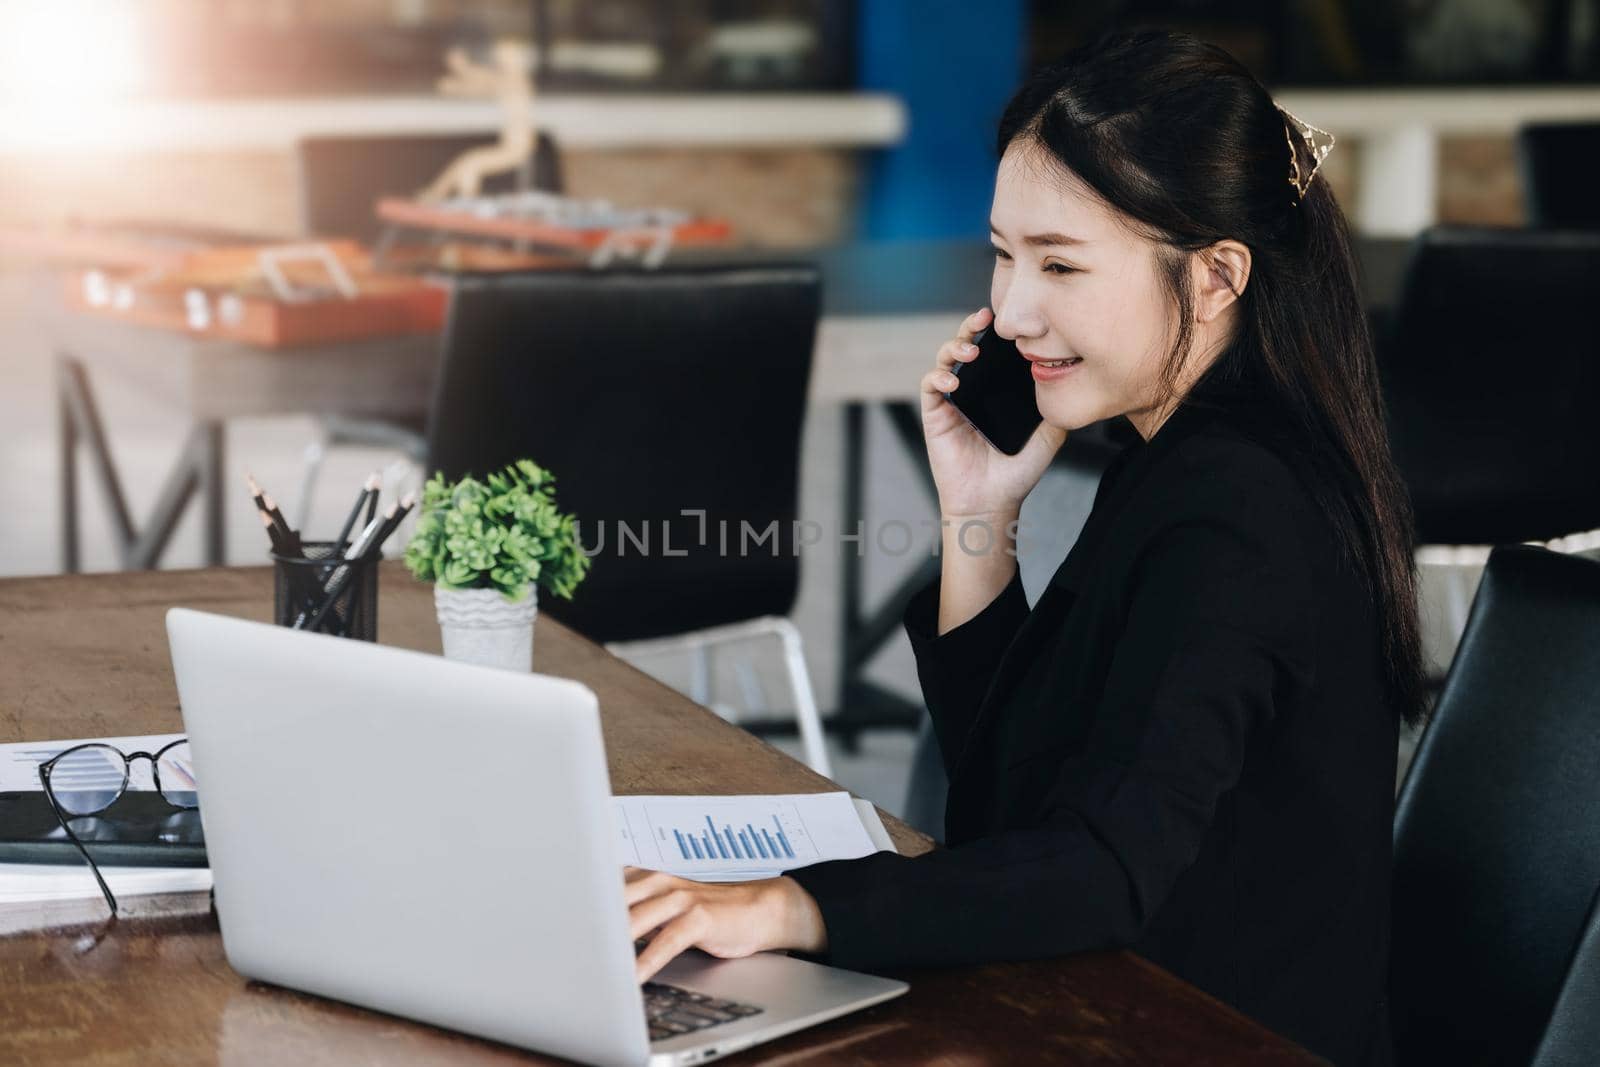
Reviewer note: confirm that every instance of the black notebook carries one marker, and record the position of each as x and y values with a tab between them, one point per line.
140	830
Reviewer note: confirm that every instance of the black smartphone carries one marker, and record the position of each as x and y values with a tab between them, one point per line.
996	393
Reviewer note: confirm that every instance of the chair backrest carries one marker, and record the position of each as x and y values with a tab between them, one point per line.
647	394
341	178
1557	162
1490	375
1573	1033
1497	828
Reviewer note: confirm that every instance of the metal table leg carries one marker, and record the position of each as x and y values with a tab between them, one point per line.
67	468
207	450
199	467
864	704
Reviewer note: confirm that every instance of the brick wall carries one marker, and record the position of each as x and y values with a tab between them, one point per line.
1478	182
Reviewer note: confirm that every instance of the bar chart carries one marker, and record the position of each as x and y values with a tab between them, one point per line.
754	833
733	838
748	842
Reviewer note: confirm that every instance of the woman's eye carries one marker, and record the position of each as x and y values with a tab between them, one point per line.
1003	256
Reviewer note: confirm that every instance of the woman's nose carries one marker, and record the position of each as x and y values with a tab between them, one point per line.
1014	319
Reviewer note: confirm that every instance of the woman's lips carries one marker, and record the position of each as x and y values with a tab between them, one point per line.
1053	370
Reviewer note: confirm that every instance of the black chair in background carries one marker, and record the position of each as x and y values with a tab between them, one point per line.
1491	373
341	181
650	394
1497	830
1557	163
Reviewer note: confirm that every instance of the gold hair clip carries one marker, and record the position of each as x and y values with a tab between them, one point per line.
1319	152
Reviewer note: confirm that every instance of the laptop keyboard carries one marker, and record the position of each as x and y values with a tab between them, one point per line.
673	1011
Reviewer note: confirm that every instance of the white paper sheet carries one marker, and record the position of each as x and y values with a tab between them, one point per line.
19	761
739	838
29	883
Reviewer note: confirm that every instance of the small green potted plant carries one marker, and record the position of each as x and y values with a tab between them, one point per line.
487	546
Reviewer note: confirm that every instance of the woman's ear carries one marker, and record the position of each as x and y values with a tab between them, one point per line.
1221	273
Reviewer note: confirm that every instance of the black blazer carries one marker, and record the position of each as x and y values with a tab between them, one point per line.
1186	748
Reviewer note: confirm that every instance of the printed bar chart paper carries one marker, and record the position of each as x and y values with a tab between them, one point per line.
732	839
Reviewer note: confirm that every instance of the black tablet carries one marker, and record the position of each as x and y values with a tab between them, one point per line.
140	830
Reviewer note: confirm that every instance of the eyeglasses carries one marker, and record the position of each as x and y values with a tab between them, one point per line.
87	779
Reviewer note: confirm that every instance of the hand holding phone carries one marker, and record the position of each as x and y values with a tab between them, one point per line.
996	392
974	477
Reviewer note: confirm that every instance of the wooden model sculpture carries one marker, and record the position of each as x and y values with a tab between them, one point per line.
508	79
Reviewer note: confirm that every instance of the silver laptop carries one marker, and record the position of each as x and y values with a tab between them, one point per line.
436	840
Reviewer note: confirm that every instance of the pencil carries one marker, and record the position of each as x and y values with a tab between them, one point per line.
255	493
391	525
341	576
370	534
272	533
371	487
290	539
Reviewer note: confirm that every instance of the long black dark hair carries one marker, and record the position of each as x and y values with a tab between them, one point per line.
1182	139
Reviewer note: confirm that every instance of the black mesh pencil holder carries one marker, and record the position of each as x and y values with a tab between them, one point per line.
325	594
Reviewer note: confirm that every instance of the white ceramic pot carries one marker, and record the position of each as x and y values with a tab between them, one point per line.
481	626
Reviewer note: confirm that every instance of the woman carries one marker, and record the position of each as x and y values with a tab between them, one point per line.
1187	746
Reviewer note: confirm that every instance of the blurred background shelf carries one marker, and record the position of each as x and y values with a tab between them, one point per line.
854	120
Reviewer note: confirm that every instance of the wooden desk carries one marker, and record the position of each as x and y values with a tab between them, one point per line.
87	655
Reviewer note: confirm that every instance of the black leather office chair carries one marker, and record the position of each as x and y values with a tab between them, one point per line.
1557	163
1491	378
341	181
1490	373
1572	1035
1497	828
648	394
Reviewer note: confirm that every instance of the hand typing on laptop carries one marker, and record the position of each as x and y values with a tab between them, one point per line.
726	920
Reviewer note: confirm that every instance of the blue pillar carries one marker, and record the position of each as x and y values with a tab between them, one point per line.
954	64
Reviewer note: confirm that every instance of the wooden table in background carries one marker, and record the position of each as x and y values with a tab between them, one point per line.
84	656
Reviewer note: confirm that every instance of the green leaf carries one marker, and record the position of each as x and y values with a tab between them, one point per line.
521	594
504	532
458	575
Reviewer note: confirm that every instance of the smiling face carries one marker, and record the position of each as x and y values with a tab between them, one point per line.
1073	283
